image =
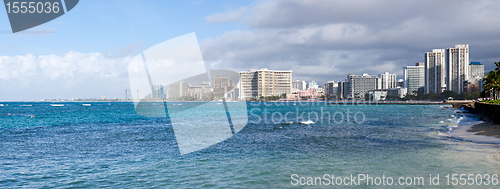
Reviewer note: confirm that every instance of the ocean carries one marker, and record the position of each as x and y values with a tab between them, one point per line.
107	144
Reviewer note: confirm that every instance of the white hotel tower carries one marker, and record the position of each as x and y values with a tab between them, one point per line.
435	71
457	60
387	81
264	82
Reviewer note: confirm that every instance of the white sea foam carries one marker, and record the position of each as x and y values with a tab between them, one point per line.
460	127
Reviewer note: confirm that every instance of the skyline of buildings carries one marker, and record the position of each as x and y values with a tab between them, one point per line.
442	69
447	69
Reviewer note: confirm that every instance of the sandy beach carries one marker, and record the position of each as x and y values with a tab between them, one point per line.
487	129
484	133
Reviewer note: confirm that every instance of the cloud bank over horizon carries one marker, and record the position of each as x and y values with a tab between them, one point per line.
74	75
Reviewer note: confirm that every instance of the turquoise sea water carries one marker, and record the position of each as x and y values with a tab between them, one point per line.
110	145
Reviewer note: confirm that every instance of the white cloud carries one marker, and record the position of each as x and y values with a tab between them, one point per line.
314	36
52	67
77	74
230	16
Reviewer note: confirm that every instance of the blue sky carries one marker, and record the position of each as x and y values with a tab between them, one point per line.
85	52
115	28
99	26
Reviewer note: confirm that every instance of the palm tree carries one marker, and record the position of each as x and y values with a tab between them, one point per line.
492	82
497	69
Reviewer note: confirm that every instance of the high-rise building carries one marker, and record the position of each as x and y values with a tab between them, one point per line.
206	90
387	81
435	71
359	85
341	90
457	60
264	82
203	92
476	69
220	82
177	90
331	88
414	78
476	75
312	84
299	85
234	93
221	86
158	92
154	94
194	91
127	94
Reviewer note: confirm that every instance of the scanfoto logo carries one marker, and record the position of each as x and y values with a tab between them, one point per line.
25	14
169	68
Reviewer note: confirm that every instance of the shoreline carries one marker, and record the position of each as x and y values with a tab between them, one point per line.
480	133
486	129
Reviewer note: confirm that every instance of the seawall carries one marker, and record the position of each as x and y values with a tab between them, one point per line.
487	112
